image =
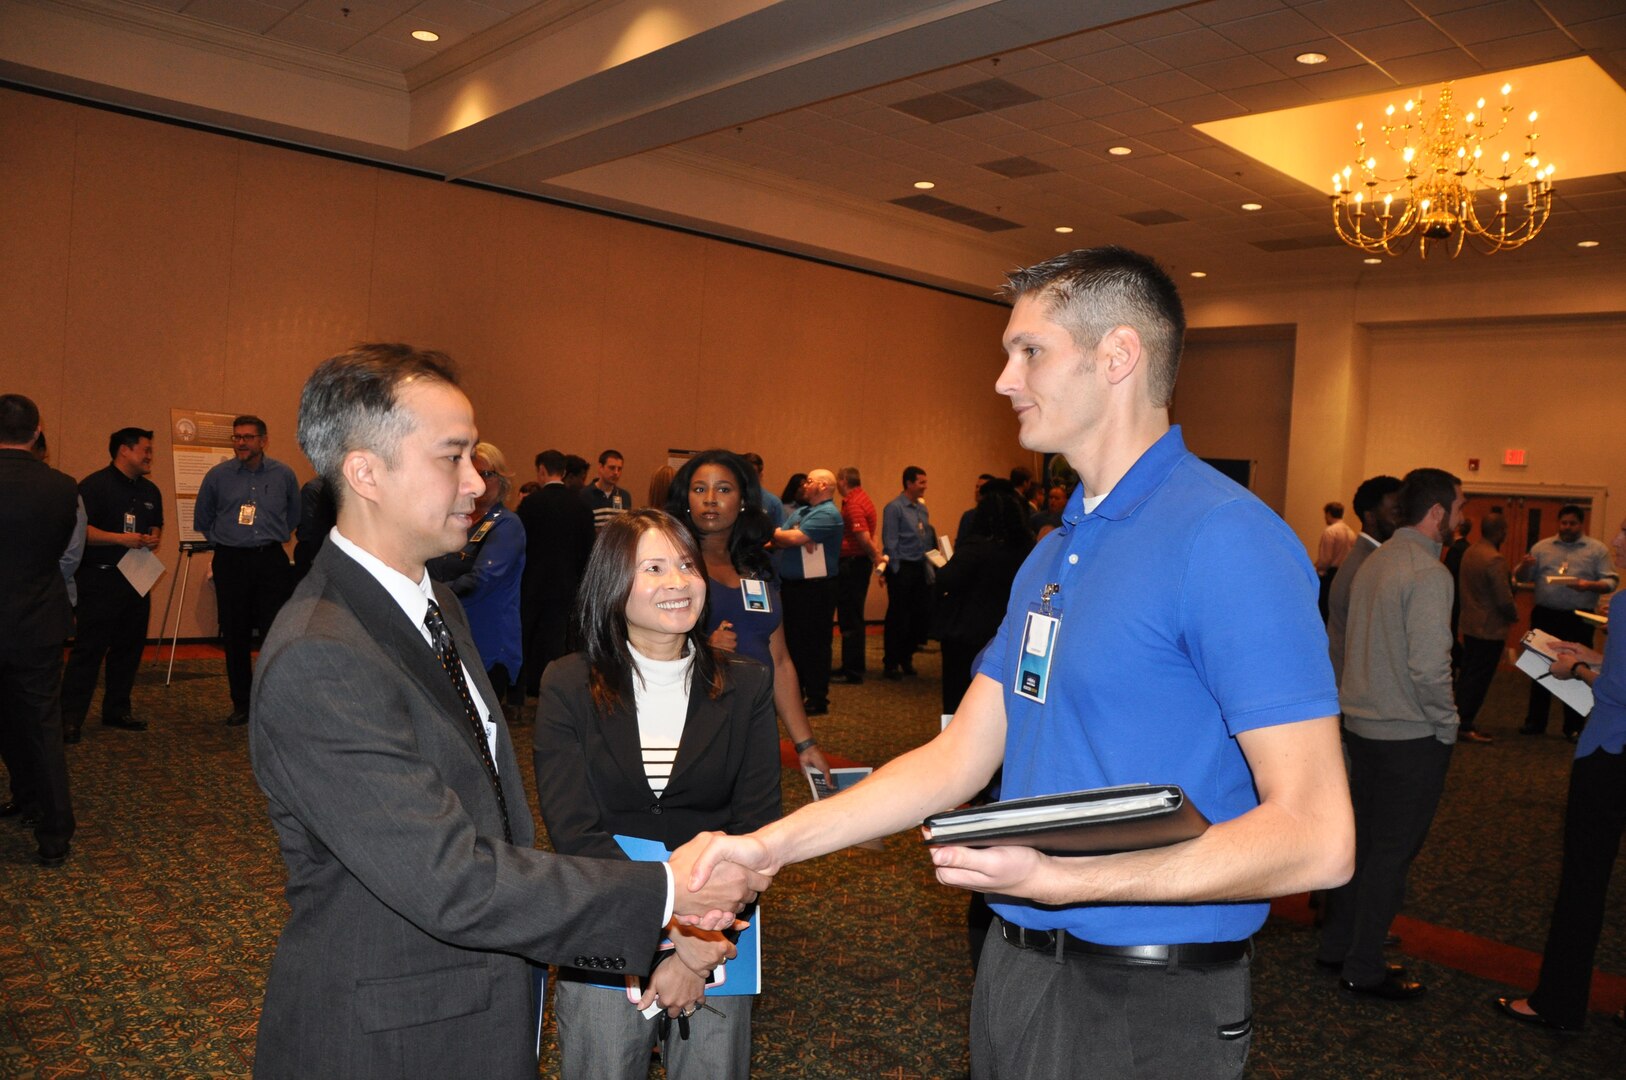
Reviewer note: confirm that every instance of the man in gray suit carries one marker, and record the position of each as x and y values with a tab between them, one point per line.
417	898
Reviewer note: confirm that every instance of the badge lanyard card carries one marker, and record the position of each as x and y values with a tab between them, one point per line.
1039	631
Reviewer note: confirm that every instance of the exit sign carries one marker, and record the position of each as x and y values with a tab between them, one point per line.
1512	457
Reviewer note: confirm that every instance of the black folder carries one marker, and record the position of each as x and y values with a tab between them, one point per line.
1094	822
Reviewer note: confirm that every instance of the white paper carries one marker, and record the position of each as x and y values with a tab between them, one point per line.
142	569
1536	660
813	562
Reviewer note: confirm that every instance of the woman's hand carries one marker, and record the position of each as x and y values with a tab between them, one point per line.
724	637
675	986
700	950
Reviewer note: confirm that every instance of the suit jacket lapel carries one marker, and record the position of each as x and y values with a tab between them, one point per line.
701	728
626	746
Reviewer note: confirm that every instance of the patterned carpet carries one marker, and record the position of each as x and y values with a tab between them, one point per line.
146	955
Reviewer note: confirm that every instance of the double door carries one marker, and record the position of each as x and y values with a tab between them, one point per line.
1529	518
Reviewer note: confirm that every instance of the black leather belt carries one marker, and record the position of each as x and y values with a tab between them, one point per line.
1189	954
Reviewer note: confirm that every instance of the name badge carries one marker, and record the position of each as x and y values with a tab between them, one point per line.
129	522
245	514
1038	648
615	503
755	595
480	533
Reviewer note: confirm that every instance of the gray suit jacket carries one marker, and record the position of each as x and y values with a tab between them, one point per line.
406	950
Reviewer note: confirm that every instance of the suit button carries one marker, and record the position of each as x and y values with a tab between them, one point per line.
655	809
581	961
620	962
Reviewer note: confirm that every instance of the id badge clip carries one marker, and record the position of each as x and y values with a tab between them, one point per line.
1039	632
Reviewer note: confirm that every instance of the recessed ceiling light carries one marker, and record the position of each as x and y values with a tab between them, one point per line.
1372	262
1311	58
924	185
1119	151
1064	228
1587	243
1252	206
426	35
1199	273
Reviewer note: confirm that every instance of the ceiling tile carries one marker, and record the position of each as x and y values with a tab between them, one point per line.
1054	80
1433	67
1285	58
468	16
1342	17
1124	62
1411	38
328	37
364	15
1601	33
1097	101
1218	11
1192	47
1577	11
389	51
1272	30
1161	24
1350	82
1039	115
1505	19
1237	71
983	126
1199	110
1085	133
1526	50
1085	44
1164	86
1027	142
402	28
249	15
1140	121
1175	140
1265	97
883	121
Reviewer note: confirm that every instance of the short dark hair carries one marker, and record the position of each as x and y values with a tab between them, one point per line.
1021	476
850	477
1424	489
259	425
551	462
19	419
1001	515
125	436
352	402
1336	509
575	465
752	529
1092	290
793	487
601	607
1370	495
1571	509
911	473
755	460
608	454
1465	527
1494	529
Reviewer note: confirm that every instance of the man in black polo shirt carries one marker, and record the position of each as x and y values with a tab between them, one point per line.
123	511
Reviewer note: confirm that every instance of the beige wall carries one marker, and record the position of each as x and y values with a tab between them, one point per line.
1234	399
148	265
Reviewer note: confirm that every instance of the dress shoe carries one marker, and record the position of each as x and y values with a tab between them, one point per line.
238	718
126	722
54	856
848	677
1331	966
892	673
1474	736
817	710
1391	941
909	670
1395	986
1504	1005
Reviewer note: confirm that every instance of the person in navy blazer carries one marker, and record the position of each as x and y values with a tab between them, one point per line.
418	903
650	733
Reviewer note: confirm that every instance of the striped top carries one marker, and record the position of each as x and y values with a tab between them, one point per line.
660	693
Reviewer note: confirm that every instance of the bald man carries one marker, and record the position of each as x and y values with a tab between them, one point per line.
808	559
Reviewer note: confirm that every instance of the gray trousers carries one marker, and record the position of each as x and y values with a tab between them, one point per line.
602	1036
1033	1018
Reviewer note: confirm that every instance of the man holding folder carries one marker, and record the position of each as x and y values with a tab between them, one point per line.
1167	632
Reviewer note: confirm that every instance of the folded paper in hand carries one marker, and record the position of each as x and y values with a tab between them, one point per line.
1536	661
1095	822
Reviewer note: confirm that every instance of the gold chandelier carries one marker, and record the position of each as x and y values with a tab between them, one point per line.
1449	191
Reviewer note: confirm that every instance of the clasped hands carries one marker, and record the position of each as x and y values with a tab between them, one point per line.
1569	653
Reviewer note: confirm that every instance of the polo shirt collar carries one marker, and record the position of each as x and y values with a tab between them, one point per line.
1144	477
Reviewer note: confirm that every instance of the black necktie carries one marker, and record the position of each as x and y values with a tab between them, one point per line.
446	653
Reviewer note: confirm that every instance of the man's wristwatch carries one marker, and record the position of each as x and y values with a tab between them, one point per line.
805	745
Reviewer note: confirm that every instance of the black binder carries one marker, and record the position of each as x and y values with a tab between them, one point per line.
1094	822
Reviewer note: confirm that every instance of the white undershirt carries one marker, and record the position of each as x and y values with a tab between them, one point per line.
1092	501
660	694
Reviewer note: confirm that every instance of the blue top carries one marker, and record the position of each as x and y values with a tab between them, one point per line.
1587	557
752	628
1606	728
903	531
490	591
272	489
1188	615
775	508
821	523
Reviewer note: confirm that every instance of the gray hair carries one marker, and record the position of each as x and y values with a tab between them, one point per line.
352	402
1092	290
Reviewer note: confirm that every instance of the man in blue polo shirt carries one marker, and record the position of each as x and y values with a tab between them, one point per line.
808	560
1186	648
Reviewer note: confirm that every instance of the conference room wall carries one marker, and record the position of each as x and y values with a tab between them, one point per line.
1234	399
150	266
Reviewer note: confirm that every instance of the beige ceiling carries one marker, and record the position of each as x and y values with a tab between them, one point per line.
802	123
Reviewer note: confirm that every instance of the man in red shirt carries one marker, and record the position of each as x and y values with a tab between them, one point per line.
859	556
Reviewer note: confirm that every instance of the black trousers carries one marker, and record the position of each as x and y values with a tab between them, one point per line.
111	624
1325	591
958	655
31	732
852	590
251	585
544	636
1565	626
905	613
810	606
1593	822
1479	659
1395	786
1033	1018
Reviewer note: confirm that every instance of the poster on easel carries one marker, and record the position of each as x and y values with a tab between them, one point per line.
199	441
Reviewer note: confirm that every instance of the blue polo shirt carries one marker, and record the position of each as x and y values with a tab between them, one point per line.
821	523
1188	615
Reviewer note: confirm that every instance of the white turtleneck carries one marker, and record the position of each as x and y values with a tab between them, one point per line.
660	694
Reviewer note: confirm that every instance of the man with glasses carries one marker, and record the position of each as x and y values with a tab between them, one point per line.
247	509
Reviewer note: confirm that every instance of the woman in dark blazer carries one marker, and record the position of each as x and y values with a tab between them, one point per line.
974	587
650	733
